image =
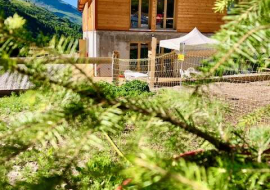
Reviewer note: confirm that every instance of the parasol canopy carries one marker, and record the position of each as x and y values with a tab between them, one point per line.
194	38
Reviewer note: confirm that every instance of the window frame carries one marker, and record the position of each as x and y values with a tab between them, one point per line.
164	27
139	53
140	15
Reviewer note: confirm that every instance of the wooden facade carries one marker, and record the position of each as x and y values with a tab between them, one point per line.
113	14
88	16
116	15
197	13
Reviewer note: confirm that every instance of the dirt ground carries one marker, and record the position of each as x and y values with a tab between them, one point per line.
243	98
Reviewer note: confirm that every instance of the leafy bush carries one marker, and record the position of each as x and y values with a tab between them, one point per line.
133	88
100	172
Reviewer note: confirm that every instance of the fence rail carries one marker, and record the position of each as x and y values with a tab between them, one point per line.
64	60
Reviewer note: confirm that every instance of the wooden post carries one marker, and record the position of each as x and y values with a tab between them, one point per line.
86	67
139	57
153	62
82	48
115	67
162	63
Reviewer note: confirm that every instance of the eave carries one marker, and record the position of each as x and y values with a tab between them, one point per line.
81	4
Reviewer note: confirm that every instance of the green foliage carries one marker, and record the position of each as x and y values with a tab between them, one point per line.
254	117
222	5
100	172
244	38
129	89
61	9
17	105
78	134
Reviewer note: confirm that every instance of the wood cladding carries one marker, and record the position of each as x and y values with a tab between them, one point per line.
197	13
85	17
91	16
88	21
113	14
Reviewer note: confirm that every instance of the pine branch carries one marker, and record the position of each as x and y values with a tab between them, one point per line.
235	46
129	105
176	176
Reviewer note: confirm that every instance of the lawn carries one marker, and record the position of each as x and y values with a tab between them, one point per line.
103	167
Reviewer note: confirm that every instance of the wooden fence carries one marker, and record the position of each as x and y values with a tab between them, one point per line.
161	70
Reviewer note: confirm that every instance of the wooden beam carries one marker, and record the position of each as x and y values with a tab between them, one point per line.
153	15
140	14
65	59
165	13
81	4
175	14
82	48
239	78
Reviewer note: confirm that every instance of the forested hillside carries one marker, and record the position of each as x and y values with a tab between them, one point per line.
40	20
61	9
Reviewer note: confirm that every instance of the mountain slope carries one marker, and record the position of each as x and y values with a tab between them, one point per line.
40	20
61	9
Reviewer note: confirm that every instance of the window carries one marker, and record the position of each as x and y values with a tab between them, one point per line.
133	51
165	14
139	14
138	51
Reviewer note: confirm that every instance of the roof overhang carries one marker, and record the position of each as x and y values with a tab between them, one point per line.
81	4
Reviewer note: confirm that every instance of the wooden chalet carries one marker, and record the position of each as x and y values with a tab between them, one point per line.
128	25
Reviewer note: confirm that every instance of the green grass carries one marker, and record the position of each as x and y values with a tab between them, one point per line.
21	106
28	101
101	167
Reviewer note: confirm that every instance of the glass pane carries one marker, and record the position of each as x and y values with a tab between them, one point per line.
169	23
144	51
134	13
160	13
133	51
133	55
167	50
170	8
157	50
170	13
144	54
145	11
